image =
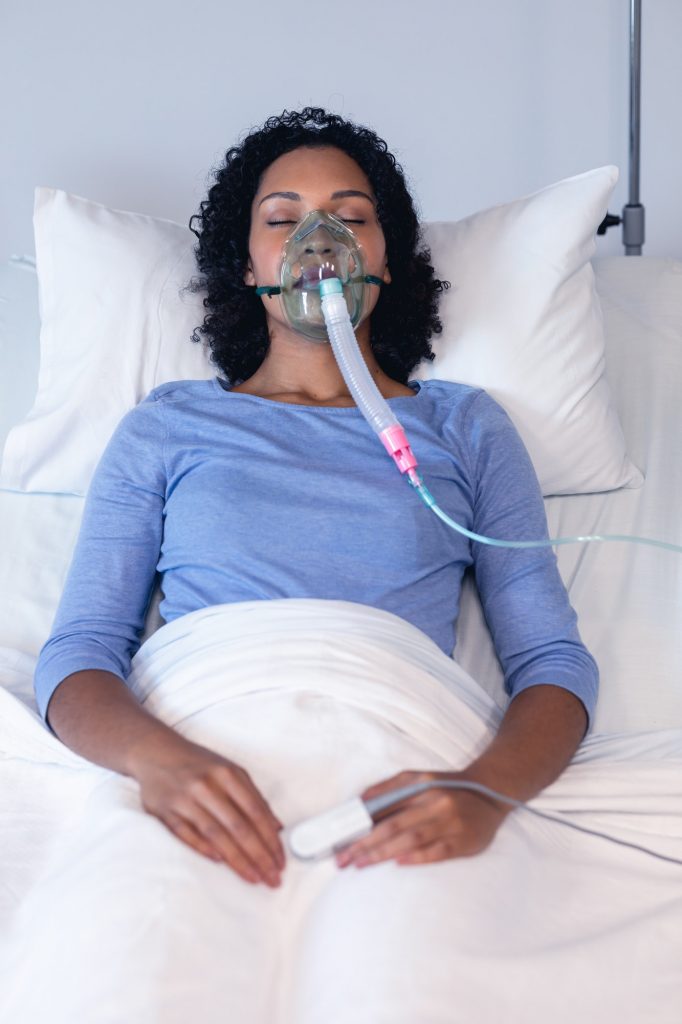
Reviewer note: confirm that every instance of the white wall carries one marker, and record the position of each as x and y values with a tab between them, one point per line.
131	102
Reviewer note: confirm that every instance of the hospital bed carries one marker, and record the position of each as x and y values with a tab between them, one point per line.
628	598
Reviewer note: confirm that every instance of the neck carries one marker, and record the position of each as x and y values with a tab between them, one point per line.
296	366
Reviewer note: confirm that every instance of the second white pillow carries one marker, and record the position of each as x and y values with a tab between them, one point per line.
523	320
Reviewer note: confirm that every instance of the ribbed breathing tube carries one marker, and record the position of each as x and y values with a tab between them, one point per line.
384	423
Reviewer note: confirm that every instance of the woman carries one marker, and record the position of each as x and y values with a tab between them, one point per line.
229	488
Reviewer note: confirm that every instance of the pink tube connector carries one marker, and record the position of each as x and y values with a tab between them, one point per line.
398	447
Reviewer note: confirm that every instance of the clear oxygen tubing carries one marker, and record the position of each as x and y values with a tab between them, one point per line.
368	398
385	424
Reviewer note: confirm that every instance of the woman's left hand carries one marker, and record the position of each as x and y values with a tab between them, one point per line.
437	824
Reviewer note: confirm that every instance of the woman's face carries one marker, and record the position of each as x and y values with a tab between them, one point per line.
300	181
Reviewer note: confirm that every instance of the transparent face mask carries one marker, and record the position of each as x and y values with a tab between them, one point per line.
320	246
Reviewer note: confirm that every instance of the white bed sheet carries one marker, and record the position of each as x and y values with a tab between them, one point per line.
318	699
628	599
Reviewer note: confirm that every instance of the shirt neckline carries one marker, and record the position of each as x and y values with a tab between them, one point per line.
219	385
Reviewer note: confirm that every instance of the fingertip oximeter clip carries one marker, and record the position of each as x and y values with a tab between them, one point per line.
325	833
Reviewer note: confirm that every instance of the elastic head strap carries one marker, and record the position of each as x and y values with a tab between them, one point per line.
273	289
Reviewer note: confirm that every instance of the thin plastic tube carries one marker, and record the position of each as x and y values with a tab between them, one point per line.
430	501
380	417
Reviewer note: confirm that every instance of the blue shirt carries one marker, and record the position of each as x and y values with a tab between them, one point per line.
234	497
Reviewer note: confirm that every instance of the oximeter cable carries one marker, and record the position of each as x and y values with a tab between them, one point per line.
379	803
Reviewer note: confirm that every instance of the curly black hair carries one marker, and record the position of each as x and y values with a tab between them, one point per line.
405	315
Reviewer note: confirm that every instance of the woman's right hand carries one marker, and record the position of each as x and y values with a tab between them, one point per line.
211	804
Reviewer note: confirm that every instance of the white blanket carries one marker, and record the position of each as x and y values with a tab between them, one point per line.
109	918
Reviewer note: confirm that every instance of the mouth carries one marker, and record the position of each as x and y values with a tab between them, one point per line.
311	277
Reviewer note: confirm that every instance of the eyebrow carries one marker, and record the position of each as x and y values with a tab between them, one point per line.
335	195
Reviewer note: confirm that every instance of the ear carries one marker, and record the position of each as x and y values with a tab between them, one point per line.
386	278
248	275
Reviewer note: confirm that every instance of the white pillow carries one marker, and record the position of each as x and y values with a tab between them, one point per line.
113	326
522	320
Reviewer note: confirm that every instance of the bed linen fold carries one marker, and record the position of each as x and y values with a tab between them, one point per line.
116	919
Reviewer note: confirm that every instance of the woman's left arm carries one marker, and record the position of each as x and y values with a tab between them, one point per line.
541	730
539	734
548	671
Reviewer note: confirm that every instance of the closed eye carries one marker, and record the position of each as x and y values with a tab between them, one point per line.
346	220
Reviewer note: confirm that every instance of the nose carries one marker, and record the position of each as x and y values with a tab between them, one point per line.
318	248
319	243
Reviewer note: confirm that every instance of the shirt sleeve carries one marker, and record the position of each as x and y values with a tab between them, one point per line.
100	618
526	606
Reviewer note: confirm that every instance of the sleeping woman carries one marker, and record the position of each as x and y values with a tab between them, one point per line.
266	482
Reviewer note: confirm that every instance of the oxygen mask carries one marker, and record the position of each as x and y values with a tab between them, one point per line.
320	247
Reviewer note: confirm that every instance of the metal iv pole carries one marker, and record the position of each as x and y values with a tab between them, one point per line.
633	213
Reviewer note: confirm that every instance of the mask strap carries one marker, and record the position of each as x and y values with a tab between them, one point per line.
273	289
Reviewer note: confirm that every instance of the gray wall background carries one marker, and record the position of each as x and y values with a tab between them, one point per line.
132	103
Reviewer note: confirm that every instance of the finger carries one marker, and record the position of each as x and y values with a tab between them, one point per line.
220	821
239	785
260	801
187	832
232	850
254	807
448	847
442	849
424	807
398	834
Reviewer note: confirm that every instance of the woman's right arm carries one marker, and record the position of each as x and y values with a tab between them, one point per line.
207	801
204	799
95	714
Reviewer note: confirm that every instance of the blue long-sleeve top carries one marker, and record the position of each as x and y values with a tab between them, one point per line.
234	497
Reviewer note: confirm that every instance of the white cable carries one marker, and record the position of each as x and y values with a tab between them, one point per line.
385	800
